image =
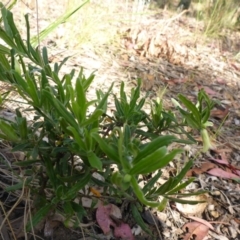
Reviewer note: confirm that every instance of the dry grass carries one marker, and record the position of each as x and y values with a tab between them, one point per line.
99	21
217	15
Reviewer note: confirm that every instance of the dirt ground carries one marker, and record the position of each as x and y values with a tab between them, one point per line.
169	52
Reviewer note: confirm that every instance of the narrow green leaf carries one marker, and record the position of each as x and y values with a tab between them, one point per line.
26	163
55	24
15	33
137	217
179	200
165	187
17	186
4	50
7	39
44	80
127	135
32	90
134	98
28	33
181	186
61	64
60	86
192	193
103	101
10	6
163	204
182	173
70	179
73	191
150	184
144	134
45	56
139	193
39	216
78	138
94	117
22	146
191	107
192	122
123	95
76	109
149	162
140	104
8	132
5	15
51	172
60	191
62	111
23	129
79	210
81	100
153	146
106	148
94	161
34	55
87	82
68	210
4	65
118	106
205	115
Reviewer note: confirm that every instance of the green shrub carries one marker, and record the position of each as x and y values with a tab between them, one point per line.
67	142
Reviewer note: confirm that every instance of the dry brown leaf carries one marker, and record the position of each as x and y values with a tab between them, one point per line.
228	167
177	81
237	220
195	230
107	217
220	113
200	220
218	172
203	168
208	90
220	161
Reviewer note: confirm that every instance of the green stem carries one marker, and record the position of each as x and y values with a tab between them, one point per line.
123	161
140	195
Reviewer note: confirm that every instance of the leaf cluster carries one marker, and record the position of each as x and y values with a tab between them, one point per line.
71	137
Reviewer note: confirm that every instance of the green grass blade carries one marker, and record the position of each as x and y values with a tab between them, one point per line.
43	34
39	216
4	50
139	220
